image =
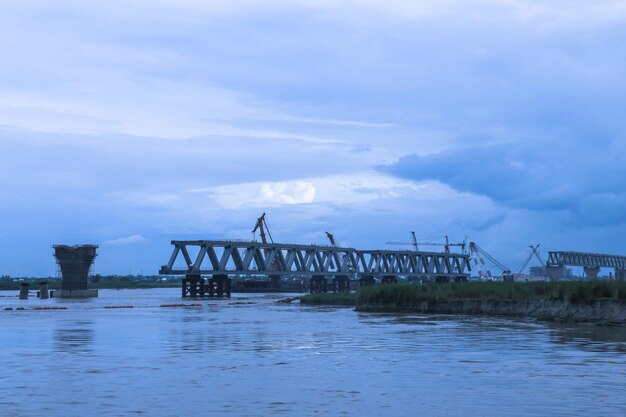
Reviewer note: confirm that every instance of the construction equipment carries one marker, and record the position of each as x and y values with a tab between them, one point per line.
478	254
534	251
345	261
412	243
415	244
262	227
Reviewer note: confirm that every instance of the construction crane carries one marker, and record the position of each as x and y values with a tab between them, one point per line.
412	243
345	260
534	251
331	238
262	227
478	254
415	244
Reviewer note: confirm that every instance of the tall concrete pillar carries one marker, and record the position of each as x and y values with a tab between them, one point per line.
620	274
43	290
591	272
24	287
75	262
555	272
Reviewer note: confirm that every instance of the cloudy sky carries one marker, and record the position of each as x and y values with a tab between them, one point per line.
131	123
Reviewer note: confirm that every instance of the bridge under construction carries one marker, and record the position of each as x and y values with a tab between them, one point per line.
328	268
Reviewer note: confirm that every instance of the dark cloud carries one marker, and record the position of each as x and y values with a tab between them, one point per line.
584	179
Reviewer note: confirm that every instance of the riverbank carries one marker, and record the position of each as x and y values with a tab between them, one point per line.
567	301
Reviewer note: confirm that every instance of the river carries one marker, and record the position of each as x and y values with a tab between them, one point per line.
250	356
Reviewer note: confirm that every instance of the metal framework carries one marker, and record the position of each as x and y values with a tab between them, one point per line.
590	260
254	258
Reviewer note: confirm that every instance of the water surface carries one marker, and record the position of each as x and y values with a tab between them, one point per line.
249	356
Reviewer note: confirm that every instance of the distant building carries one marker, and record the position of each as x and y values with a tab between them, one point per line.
540	271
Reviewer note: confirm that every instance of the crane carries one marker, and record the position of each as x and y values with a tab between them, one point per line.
534	251
331	238
478	255
262	227
345	260
412	243
416	244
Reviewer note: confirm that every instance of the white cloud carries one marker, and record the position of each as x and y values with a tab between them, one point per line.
123	241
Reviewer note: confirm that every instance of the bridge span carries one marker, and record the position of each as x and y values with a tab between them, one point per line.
591	263
244	259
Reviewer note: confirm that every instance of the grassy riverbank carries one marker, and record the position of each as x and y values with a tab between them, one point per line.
342	299
575	292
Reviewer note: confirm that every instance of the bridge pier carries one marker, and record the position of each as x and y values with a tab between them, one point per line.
555	272
591	272
341	283
24	286
193	286
389	279
318	284
43	290
366	280
620	274
275	281
220	286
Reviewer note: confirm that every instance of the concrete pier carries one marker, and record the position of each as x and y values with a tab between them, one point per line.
591	272
555	272
43	290
24	287
75	262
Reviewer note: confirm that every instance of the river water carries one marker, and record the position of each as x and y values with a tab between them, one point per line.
249	356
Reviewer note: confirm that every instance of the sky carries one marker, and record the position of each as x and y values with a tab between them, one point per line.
131	123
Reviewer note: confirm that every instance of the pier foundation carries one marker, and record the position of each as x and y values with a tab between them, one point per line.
341	283
389	279
318	284
555	272
366	280
591	272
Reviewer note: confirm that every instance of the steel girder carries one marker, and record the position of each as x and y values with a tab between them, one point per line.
586	259
253	258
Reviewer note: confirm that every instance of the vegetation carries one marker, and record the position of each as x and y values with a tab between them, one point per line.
96	282
577	292
341	299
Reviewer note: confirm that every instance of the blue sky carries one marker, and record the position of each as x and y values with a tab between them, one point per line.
128	124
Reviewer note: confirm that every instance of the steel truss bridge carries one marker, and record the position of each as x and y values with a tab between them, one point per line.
591	263
249	259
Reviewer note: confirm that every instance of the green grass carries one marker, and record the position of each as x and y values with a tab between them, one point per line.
577	292
341	299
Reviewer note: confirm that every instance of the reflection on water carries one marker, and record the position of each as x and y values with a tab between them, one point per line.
599	338
74	336
256	358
